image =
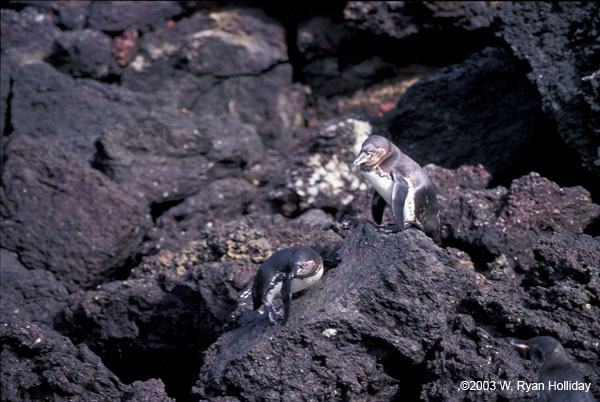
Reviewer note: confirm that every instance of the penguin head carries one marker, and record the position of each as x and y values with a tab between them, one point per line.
304	263
541	348
374	150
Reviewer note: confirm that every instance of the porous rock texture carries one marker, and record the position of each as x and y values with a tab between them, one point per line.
224	61
62	216
559	42
39	363
487	117
185	298
154	154
400	19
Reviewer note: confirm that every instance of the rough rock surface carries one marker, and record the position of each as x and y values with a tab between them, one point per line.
83	53
498	223
452	118
231	61
32	295
338	59
219	202
399	19
166	156
175	304
411	321
71	14
60	215
155	154
323	176
560	44
117	16
5	87
40	364
27	36
48	104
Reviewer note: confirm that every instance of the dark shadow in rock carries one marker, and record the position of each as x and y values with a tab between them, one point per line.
483	110
176	364
123	272
479	253
157	209
593	229
548	154
135	345
410	376
6	95
38	363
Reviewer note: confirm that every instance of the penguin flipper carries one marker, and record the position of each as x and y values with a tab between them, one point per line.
377	207
428	212
257	296
286	293
399	193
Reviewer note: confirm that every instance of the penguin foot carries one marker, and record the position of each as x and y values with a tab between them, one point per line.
273	318
276	315
393	228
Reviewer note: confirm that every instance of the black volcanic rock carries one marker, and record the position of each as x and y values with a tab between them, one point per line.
231	61
165	156
51	105
555	265
501	225
316	171
62	216
483	110
556	298
175	304
221	201
27	36
71	14
5	88
336	59
400	19
363	331
155	154
32	295
82	53
268	101
453	181
40	364
399	316
117	16
560	44
221	44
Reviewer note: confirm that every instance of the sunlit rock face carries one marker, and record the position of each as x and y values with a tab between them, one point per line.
155	154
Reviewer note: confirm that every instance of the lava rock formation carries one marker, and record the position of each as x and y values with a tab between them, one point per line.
154	154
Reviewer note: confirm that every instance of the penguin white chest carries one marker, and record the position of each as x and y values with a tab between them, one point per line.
274	292
382	183
409	204
298	284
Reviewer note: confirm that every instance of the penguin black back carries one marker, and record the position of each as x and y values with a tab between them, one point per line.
286	272
401	183
555	367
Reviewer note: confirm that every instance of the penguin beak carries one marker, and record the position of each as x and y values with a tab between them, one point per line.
518	343
362	158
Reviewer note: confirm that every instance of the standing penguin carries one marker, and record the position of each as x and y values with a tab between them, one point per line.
287	271
400	182
555	367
